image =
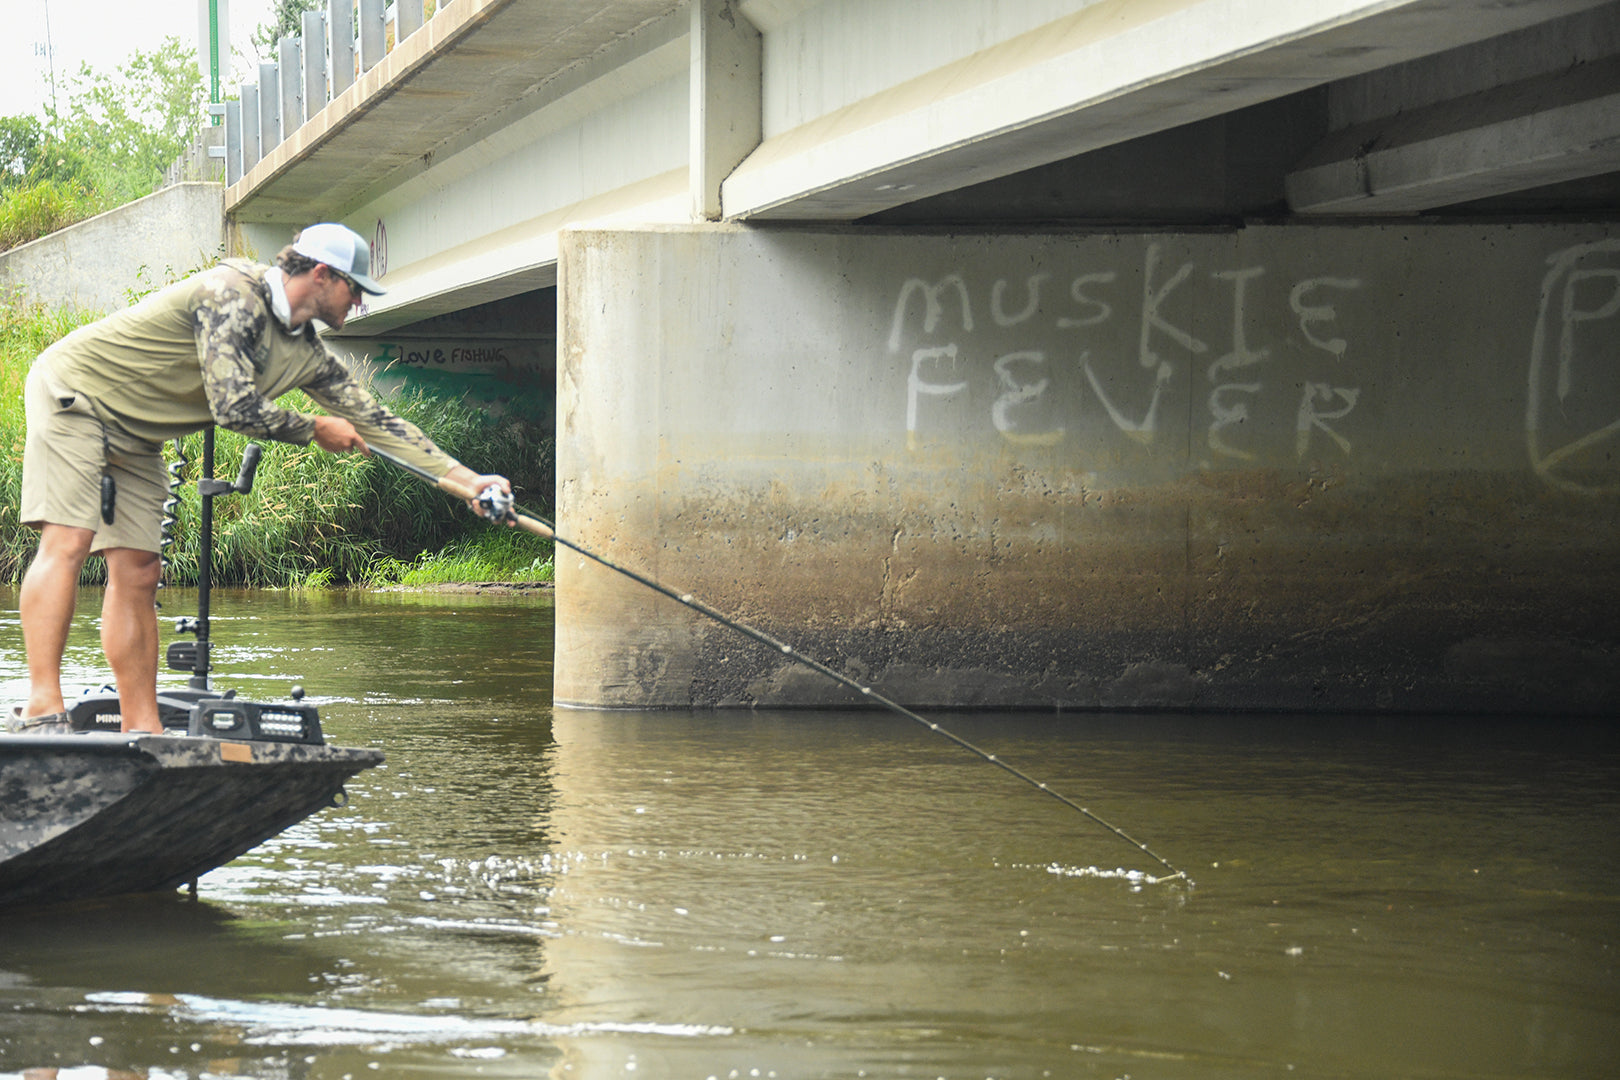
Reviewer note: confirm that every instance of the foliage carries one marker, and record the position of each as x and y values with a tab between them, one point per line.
147	281
29	155
313	518
107	146
20	140
44	185
29	212
488	555
131	125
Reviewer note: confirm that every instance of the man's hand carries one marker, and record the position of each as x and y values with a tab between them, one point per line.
335	435
477	483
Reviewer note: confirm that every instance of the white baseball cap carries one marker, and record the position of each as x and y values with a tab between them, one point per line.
341	248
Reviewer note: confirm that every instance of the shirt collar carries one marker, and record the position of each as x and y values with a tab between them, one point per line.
277	281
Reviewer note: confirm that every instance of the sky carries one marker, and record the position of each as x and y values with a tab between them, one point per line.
104	33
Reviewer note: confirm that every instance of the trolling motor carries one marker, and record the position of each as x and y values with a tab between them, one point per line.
199	709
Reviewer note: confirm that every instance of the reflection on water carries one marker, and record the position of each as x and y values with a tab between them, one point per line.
522	894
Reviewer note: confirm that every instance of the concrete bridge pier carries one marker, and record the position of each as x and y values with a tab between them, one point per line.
1354	467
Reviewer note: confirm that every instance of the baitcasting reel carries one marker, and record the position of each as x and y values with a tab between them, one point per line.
495	504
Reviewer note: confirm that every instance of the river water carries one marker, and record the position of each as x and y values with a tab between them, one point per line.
519	893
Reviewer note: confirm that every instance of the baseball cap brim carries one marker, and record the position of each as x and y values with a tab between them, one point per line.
342	249
368	284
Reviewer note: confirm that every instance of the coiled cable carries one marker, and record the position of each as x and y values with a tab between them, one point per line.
170	518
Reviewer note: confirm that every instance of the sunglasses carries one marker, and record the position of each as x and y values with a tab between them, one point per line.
355	292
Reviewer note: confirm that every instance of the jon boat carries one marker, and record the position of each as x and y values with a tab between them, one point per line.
101	813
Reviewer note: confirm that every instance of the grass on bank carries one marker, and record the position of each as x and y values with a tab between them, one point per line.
495	555
27	213
313	519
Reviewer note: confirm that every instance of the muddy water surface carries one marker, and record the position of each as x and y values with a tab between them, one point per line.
519	893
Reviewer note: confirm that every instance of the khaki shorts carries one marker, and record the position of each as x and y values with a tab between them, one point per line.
67	452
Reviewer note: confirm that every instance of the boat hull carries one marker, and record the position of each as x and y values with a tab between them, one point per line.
103	814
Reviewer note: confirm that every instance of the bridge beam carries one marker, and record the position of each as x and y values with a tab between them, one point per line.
725	119
1112	71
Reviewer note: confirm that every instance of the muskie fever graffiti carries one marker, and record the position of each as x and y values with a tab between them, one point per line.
1122	348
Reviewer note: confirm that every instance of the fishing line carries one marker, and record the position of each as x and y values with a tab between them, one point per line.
498	506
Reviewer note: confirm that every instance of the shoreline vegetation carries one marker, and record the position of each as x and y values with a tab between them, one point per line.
313	519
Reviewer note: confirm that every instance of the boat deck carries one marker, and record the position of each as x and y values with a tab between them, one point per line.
103	814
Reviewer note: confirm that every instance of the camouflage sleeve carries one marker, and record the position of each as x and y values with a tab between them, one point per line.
229	322
337	391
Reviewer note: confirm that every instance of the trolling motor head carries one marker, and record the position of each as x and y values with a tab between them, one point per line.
494	504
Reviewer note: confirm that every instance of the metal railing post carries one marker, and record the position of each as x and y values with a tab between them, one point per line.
233	142
314	62
372	39
340	20
251	129
290	61
407	19
269	109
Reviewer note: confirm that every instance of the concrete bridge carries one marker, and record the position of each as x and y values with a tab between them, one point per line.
1054	354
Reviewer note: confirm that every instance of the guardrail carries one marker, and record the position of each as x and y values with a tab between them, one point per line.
302	79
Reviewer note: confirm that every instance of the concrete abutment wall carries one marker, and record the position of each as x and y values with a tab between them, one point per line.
98	264
1298	467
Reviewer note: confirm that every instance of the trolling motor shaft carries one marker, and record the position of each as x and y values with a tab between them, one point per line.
193	656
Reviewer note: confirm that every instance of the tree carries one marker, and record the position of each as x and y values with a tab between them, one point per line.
20	140
130	126
286	20
112	142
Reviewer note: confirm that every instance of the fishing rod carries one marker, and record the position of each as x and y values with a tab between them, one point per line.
498	506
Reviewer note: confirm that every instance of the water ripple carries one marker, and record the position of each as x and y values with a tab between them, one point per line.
277	1024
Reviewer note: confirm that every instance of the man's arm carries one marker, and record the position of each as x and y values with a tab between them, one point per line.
358	418
336	435
478	481
229	322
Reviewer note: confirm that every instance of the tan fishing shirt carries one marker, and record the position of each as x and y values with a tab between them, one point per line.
209	350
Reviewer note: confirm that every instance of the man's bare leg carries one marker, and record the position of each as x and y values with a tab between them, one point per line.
129	633
49	590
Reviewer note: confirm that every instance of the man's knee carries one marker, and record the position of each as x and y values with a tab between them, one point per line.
130	568
55	568
65	542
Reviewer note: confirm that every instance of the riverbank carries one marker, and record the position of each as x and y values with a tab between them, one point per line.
475	588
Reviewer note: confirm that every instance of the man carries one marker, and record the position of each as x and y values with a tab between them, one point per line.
217	348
